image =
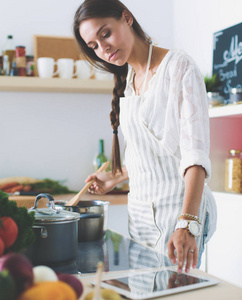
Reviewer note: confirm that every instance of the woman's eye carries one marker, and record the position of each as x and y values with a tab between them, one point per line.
106	34
94	47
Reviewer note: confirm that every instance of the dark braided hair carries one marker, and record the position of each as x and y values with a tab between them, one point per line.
105	9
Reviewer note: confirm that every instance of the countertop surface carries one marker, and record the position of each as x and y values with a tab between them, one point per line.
114	199
221	291
121	255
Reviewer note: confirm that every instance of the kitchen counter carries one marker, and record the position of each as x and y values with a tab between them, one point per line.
121	255
115	198
222	291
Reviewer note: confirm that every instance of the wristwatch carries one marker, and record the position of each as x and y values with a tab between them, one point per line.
193	227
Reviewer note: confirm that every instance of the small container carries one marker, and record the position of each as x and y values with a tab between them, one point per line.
214	99
29	65
233	172
235	95
21	60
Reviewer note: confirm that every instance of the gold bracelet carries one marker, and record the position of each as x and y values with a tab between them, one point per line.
190	216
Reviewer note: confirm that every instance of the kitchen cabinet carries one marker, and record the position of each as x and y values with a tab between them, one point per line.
225	248
36	84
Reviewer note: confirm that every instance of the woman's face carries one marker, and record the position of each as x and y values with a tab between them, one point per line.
111	39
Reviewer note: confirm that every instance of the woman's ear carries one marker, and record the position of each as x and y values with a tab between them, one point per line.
127	17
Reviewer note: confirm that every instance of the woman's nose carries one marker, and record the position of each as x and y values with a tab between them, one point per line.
104	47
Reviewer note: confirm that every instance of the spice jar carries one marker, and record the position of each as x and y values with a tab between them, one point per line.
21	60
233	172
235	95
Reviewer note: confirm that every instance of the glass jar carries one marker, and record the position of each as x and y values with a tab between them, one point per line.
21	60
236	95
214	99
233	172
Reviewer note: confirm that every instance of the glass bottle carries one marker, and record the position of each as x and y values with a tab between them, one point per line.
9	50
233	172
14	70
101	157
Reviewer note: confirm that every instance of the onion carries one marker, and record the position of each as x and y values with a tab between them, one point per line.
44	273
73	282
20	268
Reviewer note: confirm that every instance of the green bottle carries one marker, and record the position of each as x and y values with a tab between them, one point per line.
101	158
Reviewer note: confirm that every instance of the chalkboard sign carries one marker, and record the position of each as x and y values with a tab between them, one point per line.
227	57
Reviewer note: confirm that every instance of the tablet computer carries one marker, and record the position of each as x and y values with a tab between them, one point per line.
153	284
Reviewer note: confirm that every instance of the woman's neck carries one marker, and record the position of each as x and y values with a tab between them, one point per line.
139	56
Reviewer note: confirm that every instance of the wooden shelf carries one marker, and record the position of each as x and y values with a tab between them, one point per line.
36	84
231	110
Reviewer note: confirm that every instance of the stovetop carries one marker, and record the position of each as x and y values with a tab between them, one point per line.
116	252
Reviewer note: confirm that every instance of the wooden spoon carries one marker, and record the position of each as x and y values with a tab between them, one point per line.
97	290
74	201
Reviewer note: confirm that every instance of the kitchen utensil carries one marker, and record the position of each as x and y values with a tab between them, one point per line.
77	198
56	233
93	222
97	289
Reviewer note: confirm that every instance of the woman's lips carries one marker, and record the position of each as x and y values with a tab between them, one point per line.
112	56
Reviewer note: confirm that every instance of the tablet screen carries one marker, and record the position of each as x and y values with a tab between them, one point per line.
154	284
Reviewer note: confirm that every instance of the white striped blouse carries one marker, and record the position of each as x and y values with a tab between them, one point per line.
166	130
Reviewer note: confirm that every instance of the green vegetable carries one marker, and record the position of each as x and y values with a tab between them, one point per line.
23	219
213	84
7	286
50	186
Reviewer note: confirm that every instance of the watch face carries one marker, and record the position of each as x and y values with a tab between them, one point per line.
194	228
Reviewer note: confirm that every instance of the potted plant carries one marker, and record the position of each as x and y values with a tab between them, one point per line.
213	88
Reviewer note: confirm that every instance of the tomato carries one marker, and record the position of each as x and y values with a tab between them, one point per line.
2	247
8	231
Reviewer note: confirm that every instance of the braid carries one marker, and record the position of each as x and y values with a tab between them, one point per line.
118	91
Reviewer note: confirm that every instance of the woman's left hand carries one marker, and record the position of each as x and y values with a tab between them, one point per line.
186	249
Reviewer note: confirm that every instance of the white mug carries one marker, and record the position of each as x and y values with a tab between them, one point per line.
46	66
65	67
102	75
83	69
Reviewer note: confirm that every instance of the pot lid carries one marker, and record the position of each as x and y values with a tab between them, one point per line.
52	214
47	215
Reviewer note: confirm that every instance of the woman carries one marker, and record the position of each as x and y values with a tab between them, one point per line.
162	108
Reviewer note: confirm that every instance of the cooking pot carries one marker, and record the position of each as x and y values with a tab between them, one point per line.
56	233
93	222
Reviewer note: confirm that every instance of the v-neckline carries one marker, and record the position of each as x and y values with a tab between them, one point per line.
132	72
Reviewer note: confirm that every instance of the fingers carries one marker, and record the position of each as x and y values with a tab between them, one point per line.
186	250
91	177
171	251
180	257
187	256
191	259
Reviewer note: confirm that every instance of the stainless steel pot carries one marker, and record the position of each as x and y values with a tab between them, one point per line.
93	222
56	233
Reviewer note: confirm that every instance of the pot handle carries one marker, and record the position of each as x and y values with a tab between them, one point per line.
50	198
43	231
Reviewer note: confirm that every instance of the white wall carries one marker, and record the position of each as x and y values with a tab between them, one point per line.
68	126
55	135
195	21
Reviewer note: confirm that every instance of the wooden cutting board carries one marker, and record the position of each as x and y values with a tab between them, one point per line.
28	201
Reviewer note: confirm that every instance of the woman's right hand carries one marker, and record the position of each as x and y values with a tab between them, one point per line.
103	183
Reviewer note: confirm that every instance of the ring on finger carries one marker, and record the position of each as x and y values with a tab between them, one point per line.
192	251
